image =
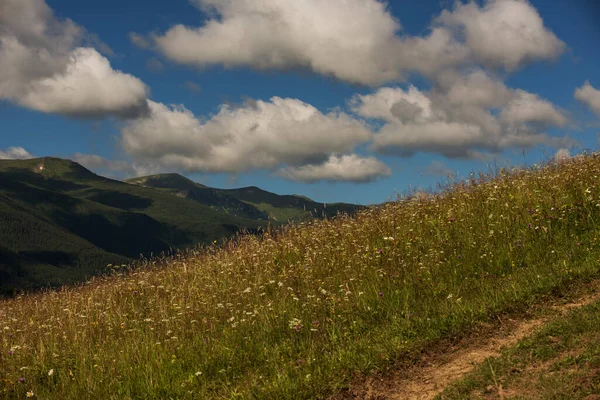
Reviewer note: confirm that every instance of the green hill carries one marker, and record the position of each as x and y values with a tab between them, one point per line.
248	202
62	223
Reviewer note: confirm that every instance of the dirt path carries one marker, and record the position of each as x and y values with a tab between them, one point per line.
436	371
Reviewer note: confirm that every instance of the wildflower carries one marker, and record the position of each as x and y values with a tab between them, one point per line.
51	372
295	324
380	294
21	379
30	393
198	373
451	219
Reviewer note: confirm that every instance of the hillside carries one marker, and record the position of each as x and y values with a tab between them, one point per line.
310	309
62	223
248	202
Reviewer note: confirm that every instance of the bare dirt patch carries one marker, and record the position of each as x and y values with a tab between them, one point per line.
437	369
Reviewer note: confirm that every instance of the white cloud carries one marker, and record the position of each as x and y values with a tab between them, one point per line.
257	135
503	33
358	41
477	88
42	66
15	153
391	104
347	39
466	118
353	40
590	96
451	139
529	108
345	168
89	87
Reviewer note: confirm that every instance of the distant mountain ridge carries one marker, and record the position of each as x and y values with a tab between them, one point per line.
248	202
61	223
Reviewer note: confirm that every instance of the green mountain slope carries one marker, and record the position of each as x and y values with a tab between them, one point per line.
215	198
61	223
249	202
34	252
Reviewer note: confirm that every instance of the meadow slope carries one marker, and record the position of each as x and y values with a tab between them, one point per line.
298	312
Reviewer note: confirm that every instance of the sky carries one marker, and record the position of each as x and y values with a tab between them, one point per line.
353	101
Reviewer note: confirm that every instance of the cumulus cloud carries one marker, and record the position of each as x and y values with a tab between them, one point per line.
466	118
451	139
589	96
88	88
43	67
345	168
256	135
353	40
15	153
503	33
393	104
529	108
477	88
358	41
347	39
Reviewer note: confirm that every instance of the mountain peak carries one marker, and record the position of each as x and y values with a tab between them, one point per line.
50	167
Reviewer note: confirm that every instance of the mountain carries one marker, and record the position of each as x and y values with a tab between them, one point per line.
249	202
61	223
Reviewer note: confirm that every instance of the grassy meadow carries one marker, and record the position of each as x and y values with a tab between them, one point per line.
299	312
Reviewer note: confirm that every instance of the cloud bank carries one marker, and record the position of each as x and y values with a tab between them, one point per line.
359	41
475	113
256	135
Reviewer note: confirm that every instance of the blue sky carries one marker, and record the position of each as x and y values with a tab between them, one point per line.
371	98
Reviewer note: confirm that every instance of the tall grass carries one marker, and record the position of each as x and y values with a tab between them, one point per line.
296	313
